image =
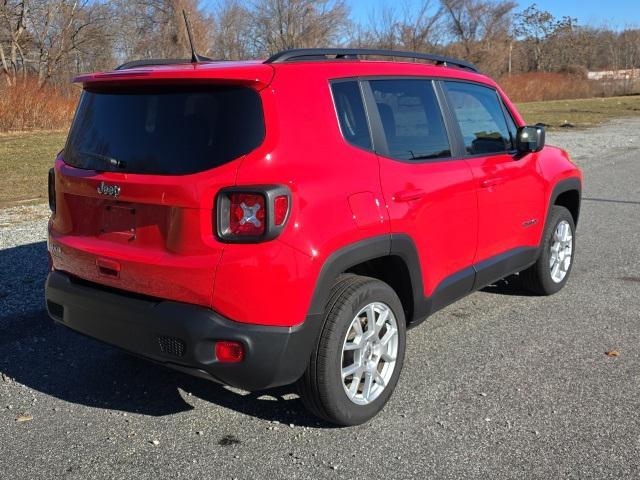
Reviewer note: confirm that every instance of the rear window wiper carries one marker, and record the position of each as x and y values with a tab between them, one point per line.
114	162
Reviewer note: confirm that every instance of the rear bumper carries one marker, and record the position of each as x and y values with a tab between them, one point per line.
180	335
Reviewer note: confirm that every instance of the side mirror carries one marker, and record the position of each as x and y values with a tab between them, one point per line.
530	139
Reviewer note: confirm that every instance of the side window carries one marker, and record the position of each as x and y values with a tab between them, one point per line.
480	116
411	119
351	114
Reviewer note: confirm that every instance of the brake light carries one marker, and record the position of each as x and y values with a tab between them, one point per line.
247	214
52	189
251	214
229	352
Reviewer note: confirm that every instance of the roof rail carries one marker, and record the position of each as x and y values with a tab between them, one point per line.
306	54
158	61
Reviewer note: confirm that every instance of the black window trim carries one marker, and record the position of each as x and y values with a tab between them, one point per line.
366	113
454	134
463	154
380	140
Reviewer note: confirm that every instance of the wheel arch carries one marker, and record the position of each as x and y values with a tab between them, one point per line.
568	193
392	259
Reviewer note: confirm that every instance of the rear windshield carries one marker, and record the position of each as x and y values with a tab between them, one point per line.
164	130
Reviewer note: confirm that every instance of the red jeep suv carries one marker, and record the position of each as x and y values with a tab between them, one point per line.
261	223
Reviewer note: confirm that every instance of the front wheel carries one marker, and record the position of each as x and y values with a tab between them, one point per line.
355	366
551	271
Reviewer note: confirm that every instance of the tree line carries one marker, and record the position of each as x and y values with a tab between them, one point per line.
53	40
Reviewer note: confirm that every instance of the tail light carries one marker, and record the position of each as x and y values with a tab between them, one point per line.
251	214
52	190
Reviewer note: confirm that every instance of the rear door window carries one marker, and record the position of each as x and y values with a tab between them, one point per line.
164	130
411	119
351	114
481	118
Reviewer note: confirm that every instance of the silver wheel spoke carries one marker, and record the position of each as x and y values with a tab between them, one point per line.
355	384
388	358
379	380
371	318
357	327
368	382
351	369
381	320
388	335
352	346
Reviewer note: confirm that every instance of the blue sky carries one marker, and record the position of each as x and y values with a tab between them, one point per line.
616	13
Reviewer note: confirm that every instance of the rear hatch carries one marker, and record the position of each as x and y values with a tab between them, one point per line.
136	182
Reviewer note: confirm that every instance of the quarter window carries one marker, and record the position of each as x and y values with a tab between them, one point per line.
411	119
351	114
481	118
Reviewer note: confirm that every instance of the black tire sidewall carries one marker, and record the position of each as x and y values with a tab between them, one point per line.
335	400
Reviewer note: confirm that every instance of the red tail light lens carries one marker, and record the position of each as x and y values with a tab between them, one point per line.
229	352
251	214
247	214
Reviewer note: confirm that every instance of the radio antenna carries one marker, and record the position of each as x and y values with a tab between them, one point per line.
195	58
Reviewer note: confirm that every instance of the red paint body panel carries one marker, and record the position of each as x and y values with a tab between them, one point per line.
510	193
443	220
158	237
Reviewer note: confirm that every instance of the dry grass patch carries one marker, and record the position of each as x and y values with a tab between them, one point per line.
25	159
581	113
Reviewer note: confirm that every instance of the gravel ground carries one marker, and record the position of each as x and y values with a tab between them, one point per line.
499	385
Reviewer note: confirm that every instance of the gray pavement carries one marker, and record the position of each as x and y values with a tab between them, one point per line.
498	385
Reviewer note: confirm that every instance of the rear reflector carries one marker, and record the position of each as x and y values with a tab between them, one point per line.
229	352
280	209
52	190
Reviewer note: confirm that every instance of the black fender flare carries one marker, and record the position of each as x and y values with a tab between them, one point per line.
399	245
566	185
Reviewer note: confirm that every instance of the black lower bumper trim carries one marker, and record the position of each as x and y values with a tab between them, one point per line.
182	336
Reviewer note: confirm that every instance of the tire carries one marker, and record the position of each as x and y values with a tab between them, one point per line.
539	278
322	387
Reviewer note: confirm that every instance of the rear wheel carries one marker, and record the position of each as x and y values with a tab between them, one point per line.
355	366
551	271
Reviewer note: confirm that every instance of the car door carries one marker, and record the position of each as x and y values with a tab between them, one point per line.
430	196
510	187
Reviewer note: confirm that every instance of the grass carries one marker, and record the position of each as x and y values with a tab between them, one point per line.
25	159
582	113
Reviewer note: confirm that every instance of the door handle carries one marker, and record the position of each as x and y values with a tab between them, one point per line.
491	182
408	195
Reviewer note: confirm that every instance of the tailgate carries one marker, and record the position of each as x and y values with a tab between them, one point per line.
156	238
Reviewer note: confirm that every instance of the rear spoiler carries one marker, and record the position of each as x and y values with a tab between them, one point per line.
254	74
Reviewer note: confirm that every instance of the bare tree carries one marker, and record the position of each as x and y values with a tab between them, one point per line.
232	31
480	31
540	30
62	31
155	28
410	27
283	24
13	17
